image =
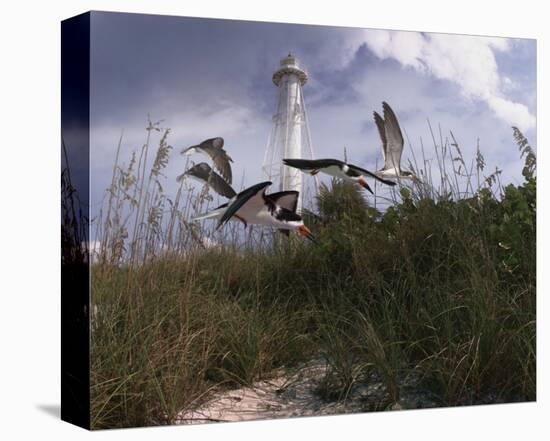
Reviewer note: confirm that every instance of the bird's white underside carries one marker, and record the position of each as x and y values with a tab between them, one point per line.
254	212
388	172
337	172
392	173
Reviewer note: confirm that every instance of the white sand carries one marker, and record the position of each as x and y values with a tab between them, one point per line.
282	397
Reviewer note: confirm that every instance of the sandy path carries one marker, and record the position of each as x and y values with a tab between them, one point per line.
282	397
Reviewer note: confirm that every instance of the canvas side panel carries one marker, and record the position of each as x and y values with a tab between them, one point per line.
75	177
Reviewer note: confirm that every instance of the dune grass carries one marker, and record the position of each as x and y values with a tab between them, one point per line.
441	287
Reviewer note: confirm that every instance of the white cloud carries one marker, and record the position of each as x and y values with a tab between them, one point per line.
467	61
351	124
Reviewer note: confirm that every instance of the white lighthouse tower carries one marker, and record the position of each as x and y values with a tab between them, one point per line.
290	136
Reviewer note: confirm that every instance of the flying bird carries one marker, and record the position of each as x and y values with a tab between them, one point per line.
392	144
213	147
204	173
285	199
253	206
336	168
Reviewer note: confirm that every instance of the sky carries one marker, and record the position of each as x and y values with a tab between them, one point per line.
211	77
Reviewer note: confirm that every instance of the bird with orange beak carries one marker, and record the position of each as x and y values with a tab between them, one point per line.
253	206
336	168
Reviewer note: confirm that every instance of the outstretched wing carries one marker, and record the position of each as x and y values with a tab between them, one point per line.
311	164
204	173
381	131
394	137
213	147
285	199
215	213
361	171
253	197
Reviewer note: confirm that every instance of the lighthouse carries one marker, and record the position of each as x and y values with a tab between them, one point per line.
290	136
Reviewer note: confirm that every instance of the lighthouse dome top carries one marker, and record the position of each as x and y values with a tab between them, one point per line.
289	66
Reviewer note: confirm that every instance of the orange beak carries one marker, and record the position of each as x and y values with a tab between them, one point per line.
304	231
365	185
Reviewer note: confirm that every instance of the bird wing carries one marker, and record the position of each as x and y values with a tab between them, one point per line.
311	164
394	137
203	172
381	131
214	148
361	171
214	142
216	212
285	199
253	197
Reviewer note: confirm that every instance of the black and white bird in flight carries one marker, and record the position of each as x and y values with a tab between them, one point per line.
203	172
336	168
253	206
286	200
213	147
392	145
